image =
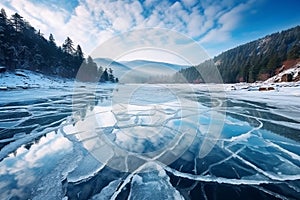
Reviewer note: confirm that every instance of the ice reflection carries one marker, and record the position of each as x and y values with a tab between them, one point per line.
21	173
245	152
140	125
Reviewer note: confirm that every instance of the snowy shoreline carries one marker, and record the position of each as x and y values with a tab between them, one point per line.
25	79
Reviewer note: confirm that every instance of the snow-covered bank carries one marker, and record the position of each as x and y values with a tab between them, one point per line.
25	79
289	77
285	98
263	86
291	74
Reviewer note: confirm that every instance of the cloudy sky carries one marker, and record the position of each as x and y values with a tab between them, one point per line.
214	24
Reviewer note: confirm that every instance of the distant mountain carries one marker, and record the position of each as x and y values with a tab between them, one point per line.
140	71
154	64
255	61
118	68
110	63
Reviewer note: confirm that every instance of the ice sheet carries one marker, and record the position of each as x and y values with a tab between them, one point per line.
187	143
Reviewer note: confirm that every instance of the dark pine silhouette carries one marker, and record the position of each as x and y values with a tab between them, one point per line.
23	47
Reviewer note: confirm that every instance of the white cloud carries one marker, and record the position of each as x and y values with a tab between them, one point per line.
212	11
189	3
231	19
92	22
195	26
226	23
216	36
142	42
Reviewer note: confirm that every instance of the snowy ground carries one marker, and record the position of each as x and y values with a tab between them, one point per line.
149	141
25	79
294	71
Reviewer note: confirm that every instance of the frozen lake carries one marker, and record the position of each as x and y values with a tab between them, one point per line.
149	142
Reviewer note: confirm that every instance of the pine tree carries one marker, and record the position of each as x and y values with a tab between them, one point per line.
273	63
17	22
92	70
3	35
100	71
3	21
104	76
294	53
110	75
51	40
68	46
3	13
79	54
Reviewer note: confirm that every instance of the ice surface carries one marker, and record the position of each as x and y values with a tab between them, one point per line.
107	192
33	170
158	141
153	185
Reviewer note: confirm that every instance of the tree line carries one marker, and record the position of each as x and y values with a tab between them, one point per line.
24	47
254	61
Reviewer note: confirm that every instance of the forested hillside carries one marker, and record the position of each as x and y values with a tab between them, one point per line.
254	61
24	47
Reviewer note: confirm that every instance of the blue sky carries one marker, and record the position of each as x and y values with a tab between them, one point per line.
214	24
